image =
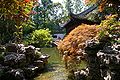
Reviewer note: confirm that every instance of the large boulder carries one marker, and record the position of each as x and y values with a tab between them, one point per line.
30	53
11	47
30	71
13	74
110	62
20	63
15	60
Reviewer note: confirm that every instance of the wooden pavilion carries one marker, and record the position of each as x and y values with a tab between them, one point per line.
77	19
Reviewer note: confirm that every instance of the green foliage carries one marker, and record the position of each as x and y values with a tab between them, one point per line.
18	34
16	10
28	27
49	15
7	28
12	14
75	5
40	38
109	27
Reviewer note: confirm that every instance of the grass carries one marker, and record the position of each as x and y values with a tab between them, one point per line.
83	65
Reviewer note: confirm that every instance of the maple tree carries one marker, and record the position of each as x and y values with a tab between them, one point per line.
73	45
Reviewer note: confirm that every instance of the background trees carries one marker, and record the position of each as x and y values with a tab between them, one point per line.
107	7
48	15
25	16
72	47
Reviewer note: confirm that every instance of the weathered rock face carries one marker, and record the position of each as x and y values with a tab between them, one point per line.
103	61
110	62
92	47
13	74
20	62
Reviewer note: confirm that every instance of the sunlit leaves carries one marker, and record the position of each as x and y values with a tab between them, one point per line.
41	37
72	46
15	9
109	26
103	3
27	1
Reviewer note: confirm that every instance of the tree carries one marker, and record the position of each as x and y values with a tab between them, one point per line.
18	11
48	15
13	14
107	6
72	47
75	5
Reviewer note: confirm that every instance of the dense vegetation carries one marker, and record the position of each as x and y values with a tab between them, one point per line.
12	17
40	38
73	45
23	17
33	23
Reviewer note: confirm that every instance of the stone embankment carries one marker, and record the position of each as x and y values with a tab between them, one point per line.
103	59
18	62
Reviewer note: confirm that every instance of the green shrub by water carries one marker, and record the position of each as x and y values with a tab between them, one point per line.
40	38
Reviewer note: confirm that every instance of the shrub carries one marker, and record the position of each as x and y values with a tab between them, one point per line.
109	27
73	45
40	38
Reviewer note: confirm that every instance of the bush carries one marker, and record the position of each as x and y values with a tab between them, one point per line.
109	27
73	45
40	38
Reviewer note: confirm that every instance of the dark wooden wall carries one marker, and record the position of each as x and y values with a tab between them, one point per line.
74	22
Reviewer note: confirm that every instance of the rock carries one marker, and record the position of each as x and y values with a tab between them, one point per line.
30	54
21	49
40	64
10	60
11	47
20	62
38	49
14	74
15	59
110	58
17	48
37	55
44	58
2	49
30	71
92	46
2	58
30	50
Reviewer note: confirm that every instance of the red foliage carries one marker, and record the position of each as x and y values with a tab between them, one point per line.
27	1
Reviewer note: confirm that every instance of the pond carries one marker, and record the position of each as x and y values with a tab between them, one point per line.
55	69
